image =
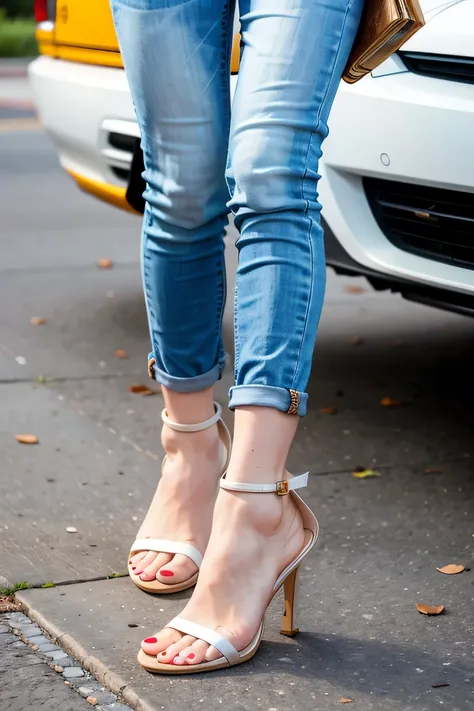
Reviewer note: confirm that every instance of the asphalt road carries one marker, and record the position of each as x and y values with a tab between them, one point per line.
98	460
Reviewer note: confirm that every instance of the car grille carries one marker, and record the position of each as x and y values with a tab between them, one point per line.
440	66
431	222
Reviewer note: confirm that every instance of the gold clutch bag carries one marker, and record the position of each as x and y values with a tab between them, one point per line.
385	25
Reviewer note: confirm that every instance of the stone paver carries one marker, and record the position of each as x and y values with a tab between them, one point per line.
28	684
73	673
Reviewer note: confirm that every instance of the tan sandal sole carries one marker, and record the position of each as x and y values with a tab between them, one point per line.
154	586
151	664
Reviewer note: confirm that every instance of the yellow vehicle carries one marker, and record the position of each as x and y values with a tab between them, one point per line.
84	101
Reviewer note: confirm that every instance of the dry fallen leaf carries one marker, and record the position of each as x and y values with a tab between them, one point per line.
329	410
92	700
388	402
356	341
27	439
37	321
7	604
429	609
119	353
365	473
104	263
354	289
452	569
432	470
58	669
140	390
343	700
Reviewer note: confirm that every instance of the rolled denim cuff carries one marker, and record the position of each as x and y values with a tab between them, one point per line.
291	402
185	385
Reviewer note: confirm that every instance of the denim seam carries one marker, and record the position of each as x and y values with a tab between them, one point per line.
310	140
308	305
323	101
236	334
225	61
146	281
225	85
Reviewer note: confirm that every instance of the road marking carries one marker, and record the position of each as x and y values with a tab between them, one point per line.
20	124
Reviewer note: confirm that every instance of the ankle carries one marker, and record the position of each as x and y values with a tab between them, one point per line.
261	513
206	442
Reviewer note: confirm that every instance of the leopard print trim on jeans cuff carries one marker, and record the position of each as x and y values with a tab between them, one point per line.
294	403
151	370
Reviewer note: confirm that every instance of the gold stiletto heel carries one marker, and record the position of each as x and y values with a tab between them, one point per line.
290	592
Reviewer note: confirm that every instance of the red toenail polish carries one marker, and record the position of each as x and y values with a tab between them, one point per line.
191	656
163	654
150	640
166	573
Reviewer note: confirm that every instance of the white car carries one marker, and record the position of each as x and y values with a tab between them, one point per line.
398	167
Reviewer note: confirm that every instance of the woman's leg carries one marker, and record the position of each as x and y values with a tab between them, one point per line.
293	57
176	56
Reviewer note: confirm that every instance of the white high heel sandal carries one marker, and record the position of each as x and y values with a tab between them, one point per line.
168	546
288	579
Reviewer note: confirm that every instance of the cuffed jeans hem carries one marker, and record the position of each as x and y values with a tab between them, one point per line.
187	385
291	402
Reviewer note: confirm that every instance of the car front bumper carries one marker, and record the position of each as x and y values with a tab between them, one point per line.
401	127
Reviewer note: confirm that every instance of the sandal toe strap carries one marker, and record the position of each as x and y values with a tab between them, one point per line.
159	545
207	635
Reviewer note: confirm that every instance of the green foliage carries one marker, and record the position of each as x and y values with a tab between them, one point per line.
17	8
48	585
8	592
17	37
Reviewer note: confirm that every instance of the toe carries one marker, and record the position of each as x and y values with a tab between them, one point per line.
197	652
168	655
212	653
178	570
158	643
148	558
160	559
183	655
134	560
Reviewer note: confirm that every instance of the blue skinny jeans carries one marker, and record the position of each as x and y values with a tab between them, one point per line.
259	161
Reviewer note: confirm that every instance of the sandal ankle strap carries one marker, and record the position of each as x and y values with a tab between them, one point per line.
281	488
193	428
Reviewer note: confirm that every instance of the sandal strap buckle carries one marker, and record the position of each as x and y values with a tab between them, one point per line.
282	488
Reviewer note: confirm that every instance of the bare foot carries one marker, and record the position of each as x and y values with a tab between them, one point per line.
254	537
183	504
